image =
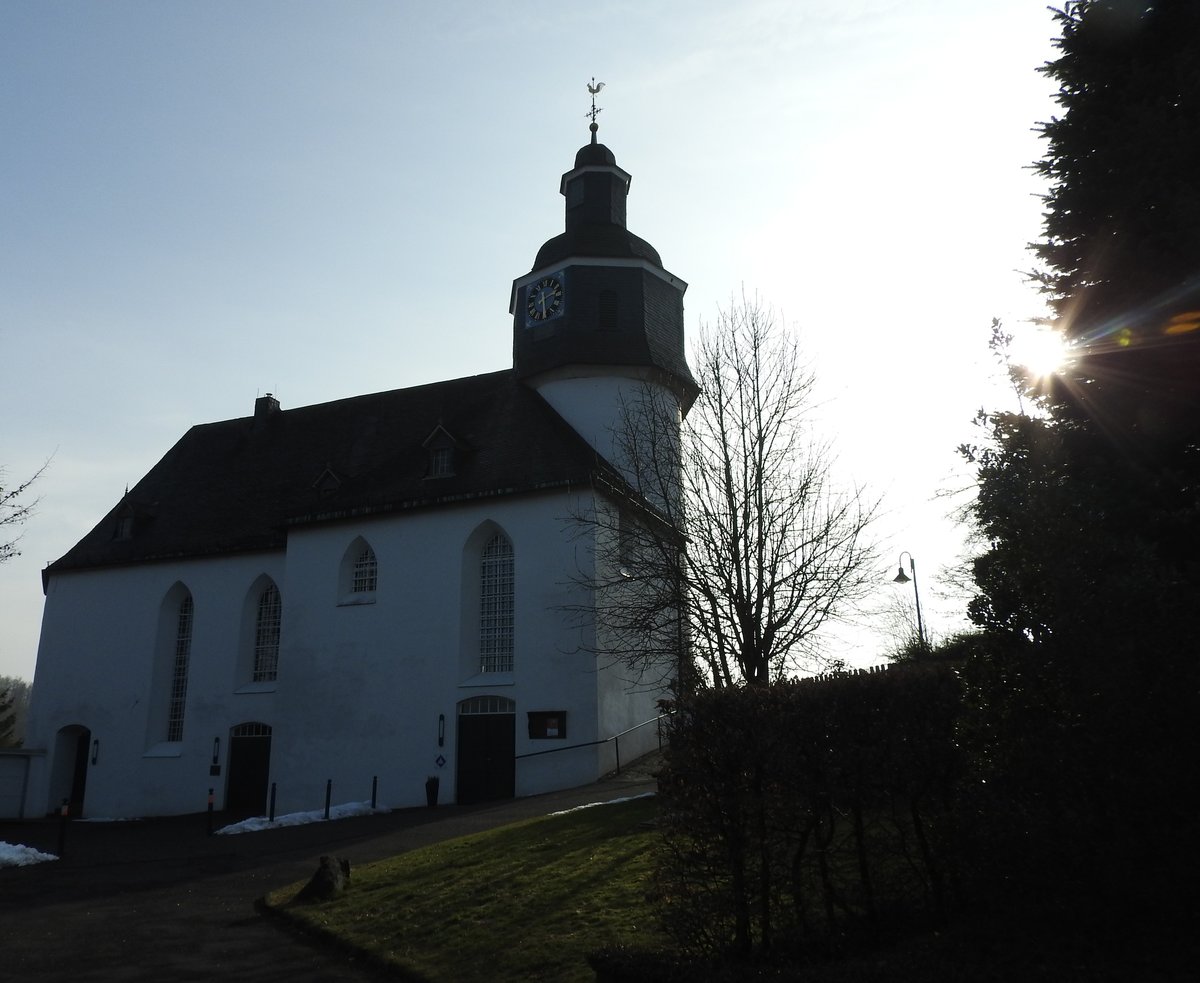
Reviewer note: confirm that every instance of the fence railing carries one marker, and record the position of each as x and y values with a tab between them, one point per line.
615	740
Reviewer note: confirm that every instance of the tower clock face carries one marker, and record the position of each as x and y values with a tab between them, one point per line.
543	299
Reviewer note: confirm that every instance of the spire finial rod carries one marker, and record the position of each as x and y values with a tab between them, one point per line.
594	88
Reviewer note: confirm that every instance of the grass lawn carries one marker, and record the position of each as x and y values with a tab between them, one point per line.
529	901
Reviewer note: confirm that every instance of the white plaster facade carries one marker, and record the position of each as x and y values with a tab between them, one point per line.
363	690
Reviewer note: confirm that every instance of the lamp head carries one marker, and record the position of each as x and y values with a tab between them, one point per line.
901	577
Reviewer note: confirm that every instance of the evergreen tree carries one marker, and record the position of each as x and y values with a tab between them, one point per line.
1083	715
1122	221
8	717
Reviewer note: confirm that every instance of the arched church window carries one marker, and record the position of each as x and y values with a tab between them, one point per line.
179	672
358	574
496	605
266	635
366	571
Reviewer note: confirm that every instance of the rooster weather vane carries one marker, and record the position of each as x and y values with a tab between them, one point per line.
594	88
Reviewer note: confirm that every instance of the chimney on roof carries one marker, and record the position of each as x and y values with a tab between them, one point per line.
265	407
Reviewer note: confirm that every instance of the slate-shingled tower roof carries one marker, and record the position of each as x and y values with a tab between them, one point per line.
621	307
238	485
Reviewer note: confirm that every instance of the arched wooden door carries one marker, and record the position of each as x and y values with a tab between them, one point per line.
487	747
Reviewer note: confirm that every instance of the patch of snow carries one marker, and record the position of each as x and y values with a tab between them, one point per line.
15	855
606	802
344	811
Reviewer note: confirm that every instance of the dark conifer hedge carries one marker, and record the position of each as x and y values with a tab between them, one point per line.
796	813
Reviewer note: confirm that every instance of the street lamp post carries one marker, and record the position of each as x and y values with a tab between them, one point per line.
903	578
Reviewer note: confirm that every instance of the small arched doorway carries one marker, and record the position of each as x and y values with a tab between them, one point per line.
68	776
249	770
487	747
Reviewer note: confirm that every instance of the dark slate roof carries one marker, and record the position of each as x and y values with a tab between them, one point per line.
594	239
595	154
598	228
240	484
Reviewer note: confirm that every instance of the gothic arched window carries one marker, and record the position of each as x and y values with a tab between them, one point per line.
365	575
266	635
496	605
179	670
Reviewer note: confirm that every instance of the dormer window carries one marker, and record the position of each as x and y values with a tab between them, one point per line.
130	518
328	483
441	452
441	462
124	527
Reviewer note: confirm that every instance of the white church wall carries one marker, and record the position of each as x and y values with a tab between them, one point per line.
597	403
95	670
357	680
364	690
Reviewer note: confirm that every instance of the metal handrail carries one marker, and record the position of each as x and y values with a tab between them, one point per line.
616	739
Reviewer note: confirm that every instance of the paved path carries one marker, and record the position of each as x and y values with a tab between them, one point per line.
161	900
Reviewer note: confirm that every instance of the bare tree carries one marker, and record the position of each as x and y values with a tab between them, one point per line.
729	544
14	512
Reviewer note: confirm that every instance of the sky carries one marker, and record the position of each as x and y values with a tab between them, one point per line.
202	202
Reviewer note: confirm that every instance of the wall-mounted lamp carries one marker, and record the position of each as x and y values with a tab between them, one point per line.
216	751
441	730
95	750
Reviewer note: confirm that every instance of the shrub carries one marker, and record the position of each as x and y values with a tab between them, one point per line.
797	813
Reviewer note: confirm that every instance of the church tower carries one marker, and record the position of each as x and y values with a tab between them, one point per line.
598	318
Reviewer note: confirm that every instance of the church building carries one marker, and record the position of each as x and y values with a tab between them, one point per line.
378	590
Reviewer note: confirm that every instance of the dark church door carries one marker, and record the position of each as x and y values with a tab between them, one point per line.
487	747
79	773
249	770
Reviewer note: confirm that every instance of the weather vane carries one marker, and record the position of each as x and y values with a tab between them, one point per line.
594	87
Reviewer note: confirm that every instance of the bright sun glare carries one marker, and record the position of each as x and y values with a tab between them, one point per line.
1040	350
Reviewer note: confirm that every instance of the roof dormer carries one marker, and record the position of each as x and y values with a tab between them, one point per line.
441	453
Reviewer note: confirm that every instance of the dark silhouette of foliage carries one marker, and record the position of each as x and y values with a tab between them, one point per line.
14	702
1080	700
1122	220
796	813
8	718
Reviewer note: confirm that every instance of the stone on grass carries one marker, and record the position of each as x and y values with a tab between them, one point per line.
329	881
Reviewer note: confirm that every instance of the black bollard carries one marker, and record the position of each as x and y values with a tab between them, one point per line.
328	795
210	812
374	790
62	826
271	814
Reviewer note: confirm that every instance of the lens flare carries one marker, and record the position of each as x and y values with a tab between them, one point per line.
1183	323
1041	351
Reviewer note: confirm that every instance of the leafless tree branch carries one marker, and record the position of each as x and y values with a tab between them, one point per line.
732	544
15	512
